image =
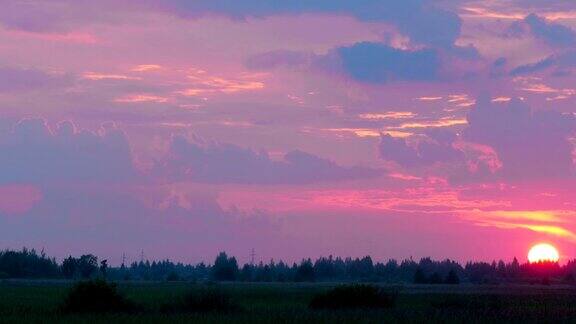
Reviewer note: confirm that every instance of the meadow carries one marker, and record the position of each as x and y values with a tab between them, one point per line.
39	301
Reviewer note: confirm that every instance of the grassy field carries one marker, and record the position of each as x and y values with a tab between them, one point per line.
37	302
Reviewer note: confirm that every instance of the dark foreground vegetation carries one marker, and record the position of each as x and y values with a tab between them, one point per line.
37	289
24	301
202	300
354	296
28	264
96	296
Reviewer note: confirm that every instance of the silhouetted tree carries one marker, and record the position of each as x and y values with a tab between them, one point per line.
420	277
87	265
69	267
480	272
435	278
225	268
305	271
173	276
104	268
27	264
452	278
247	273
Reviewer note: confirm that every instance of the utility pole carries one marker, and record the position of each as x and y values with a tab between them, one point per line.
252	256
123	260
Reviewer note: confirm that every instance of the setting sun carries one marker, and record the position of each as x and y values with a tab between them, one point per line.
543	252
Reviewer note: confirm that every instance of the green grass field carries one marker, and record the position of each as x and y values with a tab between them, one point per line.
37	302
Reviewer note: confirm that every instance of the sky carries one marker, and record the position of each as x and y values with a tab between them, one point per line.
305	128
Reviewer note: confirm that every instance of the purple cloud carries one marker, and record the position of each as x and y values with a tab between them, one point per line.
562	62
227	163
17	80
529	143
33	153
437	147
545	4
378	63
89	216
554	34
421	20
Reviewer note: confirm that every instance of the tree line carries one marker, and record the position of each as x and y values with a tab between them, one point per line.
27	263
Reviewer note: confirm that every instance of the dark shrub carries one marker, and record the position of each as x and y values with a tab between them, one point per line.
173	276
95	296
68	267
470	303
87	265
452	278
203	300
450	303
435	279
354	296
420	277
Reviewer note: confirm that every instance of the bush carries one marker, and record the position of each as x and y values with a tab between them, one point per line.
450	302
203	300
479	303
95	296
420	277
435	279
354	296
173	276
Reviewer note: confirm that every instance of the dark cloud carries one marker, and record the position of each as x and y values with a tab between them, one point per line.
560	62
378	63
438	147
227	163
554	34
33	153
